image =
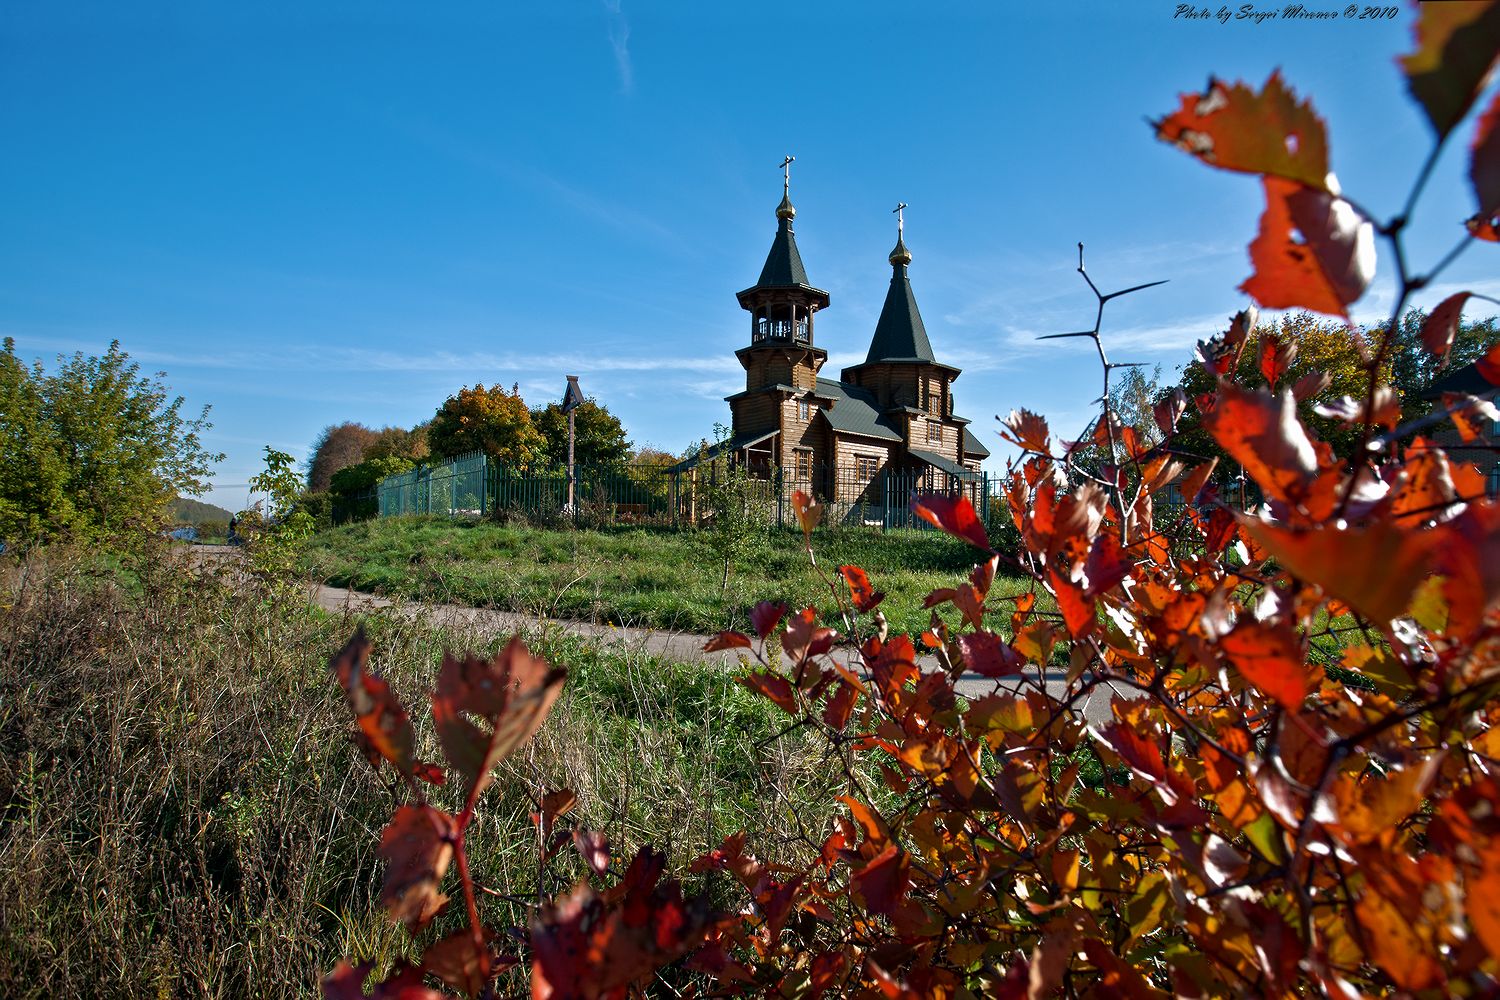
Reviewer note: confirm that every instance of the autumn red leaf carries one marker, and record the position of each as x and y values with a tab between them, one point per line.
841	705
1168	410
804	638
593	847
1231	127
512	692
1483	898
727	640
1441	325
1374	569
382	720
955	515
1385	411
1370	805
346	982
987	655
1271	658
1311	386
1313	251
1468	557
1276	357
1456	48
1141	755
1027	430
588	944
882	883
765	616
417	847
861	592
430	773
460	962
774	687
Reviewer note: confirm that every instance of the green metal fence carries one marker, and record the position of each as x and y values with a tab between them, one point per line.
474	486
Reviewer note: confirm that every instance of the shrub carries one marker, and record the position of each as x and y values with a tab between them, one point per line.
1241	823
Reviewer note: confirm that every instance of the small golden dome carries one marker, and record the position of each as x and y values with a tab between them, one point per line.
785	209
900	255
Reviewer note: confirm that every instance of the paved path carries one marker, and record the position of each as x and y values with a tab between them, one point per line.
678	646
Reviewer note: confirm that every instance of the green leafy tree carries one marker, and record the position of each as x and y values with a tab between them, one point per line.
284	525
1320	345
93	447
599	437
1414	369
492	420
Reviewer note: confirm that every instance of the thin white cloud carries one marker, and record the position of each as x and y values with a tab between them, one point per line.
619	41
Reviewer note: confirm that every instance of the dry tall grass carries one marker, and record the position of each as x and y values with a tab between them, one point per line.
182	815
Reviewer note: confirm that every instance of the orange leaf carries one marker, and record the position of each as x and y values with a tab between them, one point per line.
417	846
382	720
1077	609
809	512
1484	227
1456	46
1313	251
955	515
1482	898
1271	658
864	596
1471	416
1262	433
774	687
1028	430
1395	945
1375	570
1489	365
1369	806
1231	127
1193	482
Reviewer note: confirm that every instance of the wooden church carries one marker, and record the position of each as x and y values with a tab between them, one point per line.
892	414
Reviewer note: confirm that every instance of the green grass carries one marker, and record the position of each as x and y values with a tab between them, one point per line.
650	578
182	814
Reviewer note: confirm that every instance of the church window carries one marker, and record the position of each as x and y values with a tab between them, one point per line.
804	410
865	467
934	432
803	461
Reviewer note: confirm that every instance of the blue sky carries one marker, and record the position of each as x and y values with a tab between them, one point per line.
310	213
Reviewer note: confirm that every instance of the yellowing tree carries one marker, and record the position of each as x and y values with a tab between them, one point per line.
491	420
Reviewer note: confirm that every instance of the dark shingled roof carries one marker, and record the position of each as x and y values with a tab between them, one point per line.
1466	379
900	335
940	462
783	264
854	411
972	445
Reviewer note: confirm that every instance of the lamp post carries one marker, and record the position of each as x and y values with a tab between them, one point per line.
572	399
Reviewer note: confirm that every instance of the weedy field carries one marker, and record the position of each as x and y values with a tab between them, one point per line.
182	814
639	577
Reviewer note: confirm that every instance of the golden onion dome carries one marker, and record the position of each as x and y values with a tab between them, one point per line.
900	255
785	209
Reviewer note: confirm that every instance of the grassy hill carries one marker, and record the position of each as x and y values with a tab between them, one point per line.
187	511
